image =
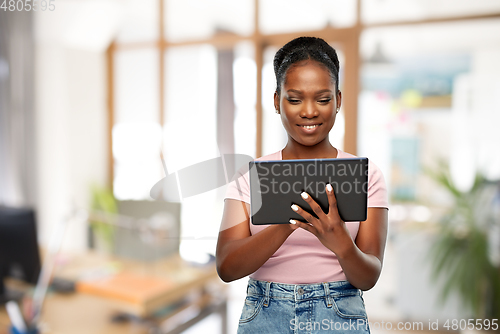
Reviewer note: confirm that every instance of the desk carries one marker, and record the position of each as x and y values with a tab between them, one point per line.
196	291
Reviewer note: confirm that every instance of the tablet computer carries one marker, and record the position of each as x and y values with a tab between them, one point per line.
276	185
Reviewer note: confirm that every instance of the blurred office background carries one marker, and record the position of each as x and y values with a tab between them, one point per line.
93	90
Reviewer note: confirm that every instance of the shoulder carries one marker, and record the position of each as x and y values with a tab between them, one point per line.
341	154
272	156
373	170
377	190
243	170
239	186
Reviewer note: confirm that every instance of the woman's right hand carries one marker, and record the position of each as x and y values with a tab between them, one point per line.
239	253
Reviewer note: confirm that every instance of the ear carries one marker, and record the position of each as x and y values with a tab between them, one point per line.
277	102
339	99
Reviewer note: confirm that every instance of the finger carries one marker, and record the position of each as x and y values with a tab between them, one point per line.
293	224
306	215
332	200
308	227
314	206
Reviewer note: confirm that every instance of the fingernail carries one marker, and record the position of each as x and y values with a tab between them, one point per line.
304	195
294	207
292	221
329	187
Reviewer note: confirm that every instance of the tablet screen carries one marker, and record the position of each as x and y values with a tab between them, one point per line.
276	185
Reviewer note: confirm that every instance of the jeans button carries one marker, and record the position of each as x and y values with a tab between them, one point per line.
300	291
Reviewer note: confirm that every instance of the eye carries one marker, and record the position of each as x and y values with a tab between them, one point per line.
293	101
325	101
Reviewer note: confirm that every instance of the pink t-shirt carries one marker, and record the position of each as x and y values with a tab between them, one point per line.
302	258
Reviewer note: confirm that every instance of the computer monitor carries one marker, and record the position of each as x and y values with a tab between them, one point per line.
164	220
19	254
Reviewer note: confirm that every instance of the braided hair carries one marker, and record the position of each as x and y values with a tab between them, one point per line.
304	48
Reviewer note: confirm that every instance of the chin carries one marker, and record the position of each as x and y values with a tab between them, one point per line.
309	143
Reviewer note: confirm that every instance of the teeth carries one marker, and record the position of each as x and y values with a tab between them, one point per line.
309	126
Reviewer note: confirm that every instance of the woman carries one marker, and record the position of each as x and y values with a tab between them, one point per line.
304	276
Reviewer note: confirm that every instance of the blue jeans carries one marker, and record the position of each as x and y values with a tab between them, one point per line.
334	307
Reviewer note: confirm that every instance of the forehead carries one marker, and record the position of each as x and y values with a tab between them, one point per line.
308	73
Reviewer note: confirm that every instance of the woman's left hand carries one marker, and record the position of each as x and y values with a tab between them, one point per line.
329	228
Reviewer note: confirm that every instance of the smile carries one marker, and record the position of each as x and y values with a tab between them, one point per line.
310	127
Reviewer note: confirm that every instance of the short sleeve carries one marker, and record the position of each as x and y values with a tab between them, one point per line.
239	188
377	190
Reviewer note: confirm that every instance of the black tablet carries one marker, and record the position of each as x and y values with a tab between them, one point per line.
276	185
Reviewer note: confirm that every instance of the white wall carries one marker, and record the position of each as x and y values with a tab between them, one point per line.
486	109
71	118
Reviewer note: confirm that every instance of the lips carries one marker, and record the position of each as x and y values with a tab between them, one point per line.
309	128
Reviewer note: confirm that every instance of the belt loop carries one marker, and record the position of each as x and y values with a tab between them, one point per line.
266	298
328	298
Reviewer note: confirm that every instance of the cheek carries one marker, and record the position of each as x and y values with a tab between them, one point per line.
329	112
287	120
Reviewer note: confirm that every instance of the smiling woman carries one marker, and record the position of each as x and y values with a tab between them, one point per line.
315	268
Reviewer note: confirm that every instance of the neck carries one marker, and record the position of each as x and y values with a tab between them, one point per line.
322	150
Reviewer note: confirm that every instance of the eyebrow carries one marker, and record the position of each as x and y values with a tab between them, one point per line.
318	92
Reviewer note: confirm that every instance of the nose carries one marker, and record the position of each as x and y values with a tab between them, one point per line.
309	110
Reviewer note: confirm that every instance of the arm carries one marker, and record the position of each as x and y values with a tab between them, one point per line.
360	260
239	253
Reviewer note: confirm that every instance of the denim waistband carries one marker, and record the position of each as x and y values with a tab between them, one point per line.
300	292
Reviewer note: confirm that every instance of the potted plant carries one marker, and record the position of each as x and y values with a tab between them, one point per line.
103	209
460	254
